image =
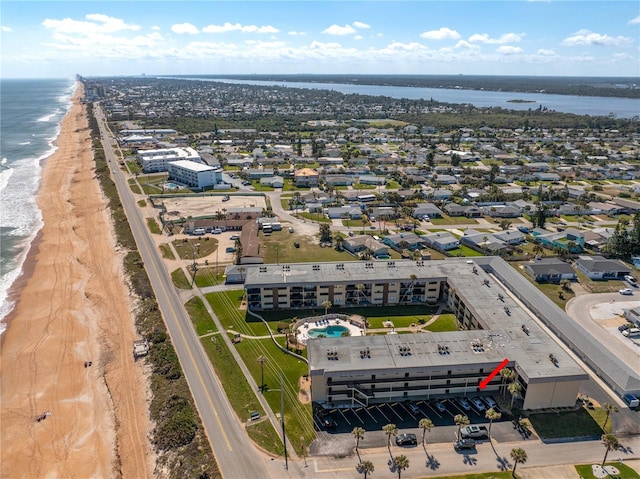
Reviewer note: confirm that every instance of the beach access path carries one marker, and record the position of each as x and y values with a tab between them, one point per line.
67	351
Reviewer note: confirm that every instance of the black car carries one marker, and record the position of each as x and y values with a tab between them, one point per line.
624	327
406	440
464	444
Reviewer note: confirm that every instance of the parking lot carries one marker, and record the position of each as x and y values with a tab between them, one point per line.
335	426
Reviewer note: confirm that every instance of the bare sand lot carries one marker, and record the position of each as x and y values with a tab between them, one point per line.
209	205
66	354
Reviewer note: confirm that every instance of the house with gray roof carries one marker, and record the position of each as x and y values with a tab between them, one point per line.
351	212
400	241
427	209
550	270
441	240
599	267
360	243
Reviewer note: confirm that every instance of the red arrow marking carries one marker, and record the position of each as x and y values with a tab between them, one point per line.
485	381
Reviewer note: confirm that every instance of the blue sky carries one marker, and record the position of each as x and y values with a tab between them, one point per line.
509	37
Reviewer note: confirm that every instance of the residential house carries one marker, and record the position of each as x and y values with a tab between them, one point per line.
337	212
502	211
306	177
363	243
257	173
510	237
550	270
339	180
274	181
400	241
441	240
372	180
599	267
427	209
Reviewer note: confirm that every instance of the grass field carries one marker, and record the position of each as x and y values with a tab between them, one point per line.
565	424
153	226
586	471
166	252
179	279
309	250
200	316
201	247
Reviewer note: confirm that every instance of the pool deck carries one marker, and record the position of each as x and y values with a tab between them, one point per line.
303	331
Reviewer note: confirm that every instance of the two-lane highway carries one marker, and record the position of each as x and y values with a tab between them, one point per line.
235	454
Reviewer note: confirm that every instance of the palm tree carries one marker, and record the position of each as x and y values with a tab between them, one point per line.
611	442
461	420
519	456
358	433
326	305
365	467
608	409
514	389
507	375
401	463
425	424
492	415
390	430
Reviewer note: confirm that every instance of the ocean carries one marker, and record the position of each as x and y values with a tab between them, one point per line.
30	115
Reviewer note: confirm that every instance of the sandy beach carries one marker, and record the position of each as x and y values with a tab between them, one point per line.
73	307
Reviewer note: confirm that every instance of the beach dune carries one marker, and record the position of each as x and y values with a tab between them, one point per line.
73	401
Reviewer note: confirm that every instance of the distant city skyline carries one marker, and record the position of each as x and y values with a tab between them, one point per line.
511	37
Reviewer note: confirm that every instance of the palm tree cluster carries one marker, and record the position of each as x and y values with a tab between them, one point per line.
510	383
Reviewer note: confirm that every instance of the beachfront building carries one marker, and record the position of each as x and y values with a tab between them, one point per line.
356	371
194	175
154	161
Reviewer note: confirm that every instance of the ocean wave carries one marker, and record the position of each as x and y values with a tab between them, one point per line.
5	174
24	143
49	117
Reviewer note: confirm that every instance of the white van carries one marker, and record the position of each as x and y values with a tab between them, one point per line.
199	231
631	332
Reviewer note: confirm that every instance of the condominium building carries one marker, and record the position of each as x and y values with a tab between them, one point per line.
195	175
494	326
154	161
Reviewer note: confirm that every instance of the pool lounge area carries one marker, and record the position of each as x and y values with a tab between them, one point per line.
327	327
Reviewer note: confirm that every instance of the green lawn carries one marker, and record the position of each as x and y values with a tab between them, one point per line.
309	251
142	203
565	424
153	226
179	279
200	316
166	251
586	471
453	220
444	323
316	217
463	250
202	247
263	434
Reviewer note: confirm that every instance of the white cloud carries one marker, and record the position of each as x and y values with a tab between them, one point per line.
508	50
635	21
237	27
545	52
6	29
338	30
358	37
294	33
181	28
99	24
155	28
504	38
442	33
587	37
463	44
360	25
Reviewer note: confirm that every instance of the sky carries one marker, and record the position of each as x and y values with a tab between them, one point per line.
509	37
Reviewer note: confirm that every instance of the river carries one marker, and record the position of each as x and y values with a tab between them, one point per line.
580	105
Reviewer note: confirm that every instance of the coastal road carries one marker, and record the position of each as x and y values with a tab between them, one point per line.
235	454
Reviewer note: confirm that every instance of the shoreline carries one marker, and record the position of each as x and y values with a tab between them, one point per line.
72	306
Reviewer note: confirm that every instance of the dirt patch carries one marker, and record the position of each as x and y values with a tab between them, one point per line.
304	390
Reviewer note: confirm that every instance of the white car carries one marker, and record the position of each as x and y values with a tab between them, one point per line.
630	279
626	291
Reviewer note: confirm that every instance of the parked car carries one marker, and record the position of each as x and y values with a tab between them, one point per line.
478	404
329	423
626	291
234	237
623	327
414	408
291	230
230	249
630	279
464	404
441	406
464	444
407	439
475	432
490	402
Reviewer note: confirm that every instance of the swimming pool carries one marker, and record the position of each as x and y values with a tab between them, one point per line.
331	331
172	186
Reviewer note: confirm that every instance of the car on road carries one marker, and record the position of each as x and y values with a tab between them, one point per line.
464	444
234	237
478	404
626	291
464	404
406	439
630	279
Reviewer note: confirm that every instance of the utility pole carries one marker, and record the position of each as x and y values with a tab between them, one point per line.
284	436
304	455
261	359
